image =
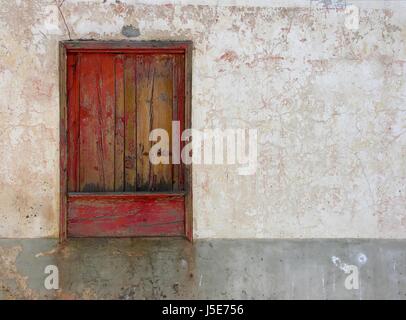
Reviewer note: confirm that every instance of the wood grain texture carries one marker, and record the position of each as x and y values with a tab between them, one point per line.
96	160
179	114
126	215
119	124
161	174
120	100
106	118
130	116
145	91
188	124
73	67
63	148
175	117
155	102
142	47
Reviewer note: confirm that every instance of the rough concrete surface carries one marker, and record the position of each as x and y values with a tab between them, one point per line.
328	103
208	269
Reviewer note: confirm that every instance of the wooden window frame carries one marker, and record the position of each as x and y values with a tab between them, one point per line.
129	46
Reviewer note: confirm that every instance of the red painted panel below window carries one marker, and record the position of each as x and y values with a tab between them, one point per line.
125	214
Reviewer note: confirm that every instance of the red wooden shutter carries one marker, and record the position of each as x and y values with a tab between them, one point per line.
115	98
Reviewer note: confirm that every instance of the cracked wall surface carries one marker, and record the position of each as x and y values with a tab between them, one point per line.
328	103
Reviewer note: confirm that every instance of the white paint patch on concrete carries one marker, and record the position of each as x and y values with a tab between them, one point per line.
339	264
362	258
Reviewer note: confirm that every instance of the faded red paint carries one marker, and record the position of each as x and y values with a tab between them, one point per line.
229	56
113	90
126	215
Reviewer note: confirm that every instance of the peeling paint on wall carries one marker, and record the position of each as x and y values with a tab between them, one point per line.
328	102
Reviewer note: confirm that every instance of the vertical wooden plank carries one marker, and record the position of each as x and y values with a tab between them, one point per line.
63	143
162	100
73	65
106	118
90	180
180	88
175	117
145	86
130	122
188	124
97	101
154	103
119	126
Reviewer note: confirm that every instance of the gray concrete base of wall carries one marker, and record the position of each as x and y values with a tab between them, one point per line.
208	269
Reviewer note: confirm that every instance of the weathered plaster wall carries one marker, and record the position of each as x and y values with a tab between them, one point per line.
329	104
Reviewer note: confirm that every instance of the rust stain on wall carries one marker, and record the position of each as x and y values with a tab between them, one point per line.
13	284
